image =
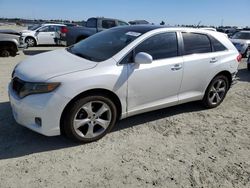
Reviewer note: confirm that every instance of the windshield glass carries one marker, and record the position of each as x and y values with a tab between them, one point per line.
241	35
105	44
34	27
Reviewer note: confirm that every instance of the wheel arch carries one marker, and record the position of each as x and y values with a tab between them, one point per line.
29	36
111	95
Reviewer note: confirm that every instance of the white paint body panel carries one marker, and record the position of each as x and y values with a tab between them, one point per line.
140	88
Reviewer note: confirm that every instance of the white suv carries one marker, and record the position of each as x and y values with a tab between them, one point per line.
44	34
81	91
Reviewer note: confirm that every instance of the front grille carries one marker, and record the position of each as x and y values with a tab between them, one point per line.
17	85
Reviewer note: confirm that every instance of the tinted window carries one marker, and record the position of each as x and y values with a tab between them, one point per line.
217	45
92	22
160	46
196	43
44	29
242	35
122	23
52	28
108	24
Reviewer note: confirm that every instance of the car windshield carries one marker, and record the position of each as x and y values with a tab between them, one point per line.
105	44
34	27
241	35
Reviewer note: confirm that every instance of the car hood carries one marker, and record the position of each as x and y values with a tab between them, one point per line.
47	65
240	41
26	32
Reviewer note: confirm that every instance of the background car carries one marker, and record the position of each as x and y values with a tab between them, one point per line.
45	34
241	40
10	42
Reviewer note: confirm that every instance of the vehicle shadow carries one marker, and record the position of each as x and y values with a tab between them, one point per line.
34	52
244	75
18	141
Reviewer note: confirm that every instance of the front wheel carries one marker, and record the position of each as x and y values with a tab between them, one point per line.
5	53
30	42
90	118
216	92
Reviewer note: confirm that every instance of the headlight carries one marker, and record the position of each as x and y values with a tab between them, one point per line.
29	88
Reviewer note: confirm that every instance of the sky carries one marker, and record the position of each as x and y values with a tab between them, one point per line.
172	12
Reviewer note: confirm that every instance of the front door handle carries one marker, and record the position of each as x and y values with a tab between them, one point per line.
176	67
213	60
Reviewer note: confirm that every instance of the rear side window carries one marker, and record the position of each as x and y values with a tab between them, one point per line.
108	24
196	43
217	46
160	46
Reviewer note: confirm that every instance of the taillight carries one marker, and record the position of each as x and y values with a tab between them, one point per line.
239	57
64	30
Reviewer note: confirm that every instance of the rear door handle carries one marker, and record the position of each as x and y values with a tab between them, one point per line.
176	67
213	60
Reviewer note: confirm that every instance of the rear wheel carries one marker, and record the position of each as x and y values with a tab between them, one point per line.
248	66
216	92
90	118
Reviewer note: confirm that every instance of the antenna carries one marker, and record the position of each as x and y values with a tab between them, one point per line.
198	24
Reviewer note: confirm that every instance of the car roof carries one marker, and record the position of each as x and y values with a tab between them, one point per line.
244	31
53	24
146	28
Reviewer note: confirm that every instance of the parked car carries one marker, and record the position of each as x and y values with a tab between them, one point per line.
44	34
10	42
118	73
93	26
242	41
139	22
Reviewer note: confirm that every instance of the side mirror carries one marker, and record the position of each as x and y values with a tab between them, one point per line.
143	58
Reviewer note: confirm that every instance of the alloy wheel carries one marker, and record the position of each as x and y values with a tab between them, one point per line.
30	42
217	91
92	119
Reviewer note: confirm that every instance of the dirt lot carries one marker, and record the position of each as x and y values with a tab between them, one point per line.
183	146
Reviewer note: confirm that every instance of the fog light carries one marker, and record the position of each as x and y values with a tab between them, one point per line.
38	121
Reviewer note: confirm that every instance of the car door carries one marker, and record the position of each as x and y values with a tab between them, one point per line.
155	85
199	63
46	35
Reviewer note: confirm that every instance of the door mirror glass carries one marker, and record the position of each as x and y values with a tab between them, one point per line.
143	58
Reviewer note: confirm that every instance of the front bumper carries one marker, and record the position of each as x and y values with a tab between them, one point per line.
48	107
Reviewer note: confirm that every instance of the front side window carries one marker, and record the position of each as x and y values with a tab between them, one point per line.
44	29
108	24
160	46
195	43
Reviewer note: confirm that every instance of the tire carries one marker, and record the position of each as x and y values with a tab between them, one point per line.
30	41
89	119
248	66
216	92
5	53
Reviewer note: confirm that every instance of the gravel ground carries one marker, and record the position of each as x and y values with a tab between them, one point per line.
181	146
